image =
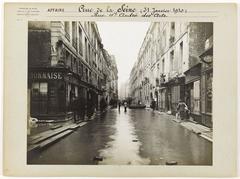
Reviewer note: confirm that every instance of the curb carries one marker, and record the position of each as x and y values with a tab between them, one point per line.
40	141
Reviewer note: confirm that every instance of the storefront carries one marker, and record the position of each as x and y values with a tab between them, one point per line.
206	82
52	92
175	93
192	91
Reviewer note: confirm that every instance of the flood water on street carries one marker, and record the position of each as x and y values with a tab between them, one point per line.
137	137
124	149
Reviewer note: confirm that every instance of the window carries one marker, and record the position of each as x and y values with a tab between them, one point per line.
86	50
74	34
164	39
86	74
196	97
172	61
172	25
172	33
67	30
39	88
89	53
68	59
80	41
172	29
181	56
163	65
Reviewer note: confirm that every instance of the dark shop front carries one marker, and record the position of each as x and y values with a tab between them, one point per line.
52	90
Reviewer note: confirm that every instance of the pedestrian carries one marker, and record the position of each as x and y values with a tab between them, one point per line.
119	105
153	105
182	110
125	106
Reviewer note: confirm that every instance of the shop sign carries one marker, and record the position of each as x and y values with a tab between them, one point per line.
46	75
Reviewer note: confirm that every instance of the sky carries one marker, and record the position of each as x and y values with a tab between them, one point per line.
123	40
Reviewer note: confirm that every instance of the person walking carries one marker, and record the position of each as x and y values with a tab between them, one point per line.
125	106
119	105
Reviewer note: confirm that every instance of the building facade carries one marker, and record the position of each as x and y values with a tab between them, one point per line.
65	61
170	67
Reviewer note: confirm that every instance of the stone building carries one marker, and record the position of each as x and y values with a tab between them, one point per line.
65	61
169	67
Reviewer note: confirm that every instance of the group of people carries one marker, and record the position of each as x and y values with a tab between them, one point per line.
182	109
79	106
125	104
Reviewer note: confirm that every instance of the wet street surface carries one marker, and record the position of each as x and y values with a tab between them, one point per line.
135	137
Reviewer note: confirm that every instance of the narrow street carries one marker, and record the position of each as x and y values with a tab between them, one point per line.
135	137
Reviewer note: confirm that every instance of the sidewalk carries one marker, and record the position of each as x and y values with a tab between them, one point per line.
199	129
193	126
50	133
43	139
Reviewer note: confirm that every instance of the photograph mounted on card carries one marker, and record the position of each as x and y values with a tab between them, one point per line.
120	85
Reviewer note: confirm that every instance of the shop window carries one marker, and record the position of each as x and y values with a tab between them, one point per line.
39	88
43	88
196	97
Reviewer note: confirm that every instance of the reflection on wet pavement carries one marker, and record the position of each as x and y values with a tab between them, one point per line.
124	149
137	137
